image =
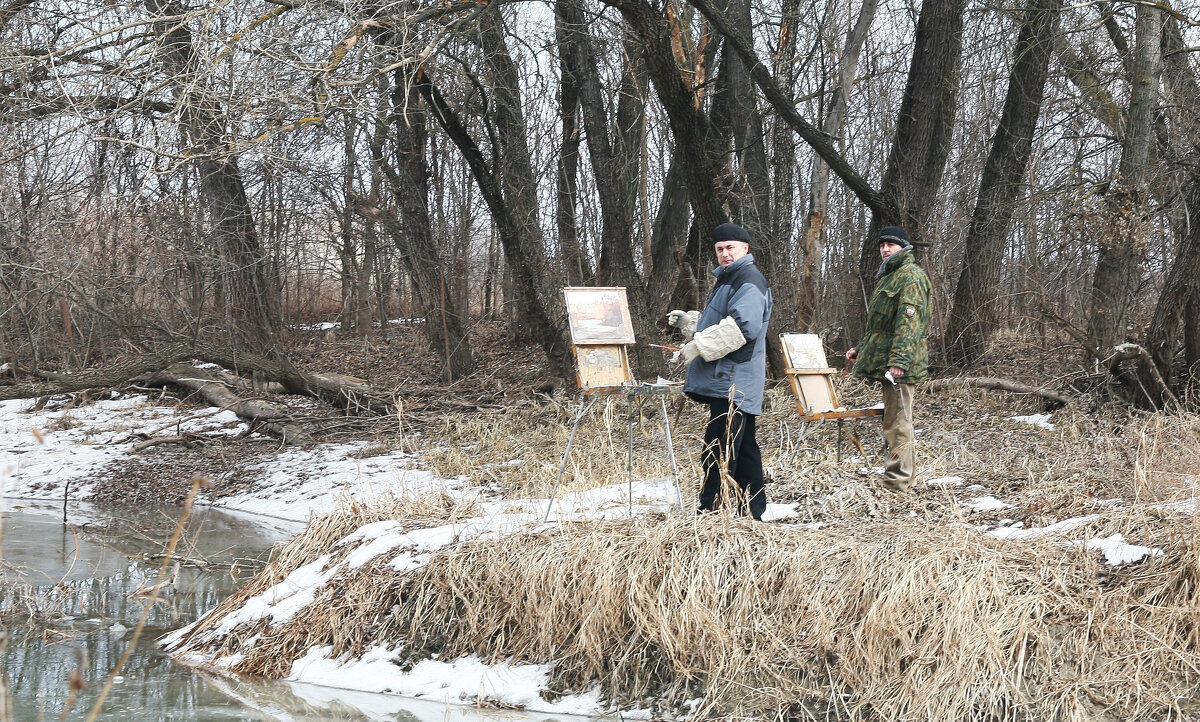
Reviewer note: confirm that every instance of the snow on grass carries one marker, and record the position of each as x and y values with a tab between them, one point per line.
946	481
1039	420
987	503
1117	552
1187	506
1018	532
298	483
284	599
466	680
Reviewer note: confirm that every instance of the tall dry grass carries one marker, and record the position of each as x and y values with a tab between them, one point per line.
892	620
518	450
895	608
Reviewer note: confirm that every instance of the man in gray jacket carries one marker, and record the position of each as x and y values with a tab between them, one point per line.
726	354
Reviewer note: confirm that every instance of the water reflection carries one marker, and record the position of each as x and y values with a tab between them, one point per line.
84	623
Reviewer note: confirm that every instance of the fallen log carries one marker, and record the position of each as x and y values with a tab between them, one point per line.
345	392
995	384
269	417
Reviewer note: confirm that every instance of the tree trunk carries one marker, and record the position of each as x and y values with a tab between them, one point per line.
1122	239
735	114
690	127
576	266
924	127
445	324
669	246
808	291
253	299
615	158
975	315
1168	329
272	419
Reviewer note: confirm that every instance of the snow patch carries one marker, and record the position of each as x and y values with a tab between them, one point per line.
1117	552
1016	531
463	680
1039	420
987	503
946	481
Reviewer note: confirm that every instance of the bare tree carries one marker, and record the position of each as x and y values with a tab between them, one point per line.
975	315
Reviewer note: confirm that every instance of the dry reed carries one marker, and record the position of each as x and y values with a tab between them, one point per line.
894	609
890	620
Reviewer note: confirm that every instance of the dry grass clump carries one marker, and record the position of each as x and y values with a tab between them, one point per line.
319	538
518	450
877	621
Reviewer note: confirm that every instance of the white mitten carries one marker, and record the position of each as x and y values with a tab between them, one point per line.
685	321
716	341
689	352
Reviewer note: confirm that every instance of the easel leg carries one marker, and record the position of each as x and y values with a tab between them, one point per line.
566	454
629	455
671	453
839	441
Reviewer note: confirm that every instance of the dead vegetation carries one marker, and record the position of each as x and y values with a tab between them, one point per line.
864	606
872	620
878	607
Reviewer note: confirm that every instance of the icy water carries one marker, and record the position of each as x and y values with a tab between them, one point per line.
79	578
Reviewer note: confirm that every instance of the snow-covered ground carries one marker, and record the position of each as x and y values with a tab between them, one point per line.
42	450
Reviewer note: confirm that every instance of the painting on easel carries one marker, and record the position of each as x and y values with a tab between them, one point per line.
602	366
598	316
804	350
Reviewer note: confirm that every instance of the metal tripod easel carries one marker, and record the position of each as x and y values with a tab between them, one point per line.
635	397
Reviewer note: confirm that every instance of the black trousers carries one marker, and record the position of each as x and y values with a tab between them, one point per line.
730	436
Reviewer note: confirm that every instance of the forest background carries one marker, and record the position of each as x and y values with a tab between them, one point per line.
179	177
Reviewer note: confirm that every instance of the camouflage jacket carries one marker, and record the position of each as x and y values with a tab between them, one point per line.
896	320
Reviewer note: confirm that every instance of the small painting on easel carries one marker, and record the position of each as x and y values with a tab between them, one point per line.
599	315
602	366
804	350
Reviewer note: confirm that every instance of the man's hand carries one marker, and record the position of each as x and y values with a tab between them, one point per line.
690	352
851	355
685	321
896	372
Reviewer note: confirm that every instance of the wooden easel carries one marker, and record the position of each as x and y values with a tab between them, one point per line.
813	383
602	369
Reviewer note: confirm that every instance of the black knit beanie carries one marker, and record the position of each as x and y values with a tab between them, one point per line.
895	234
730	232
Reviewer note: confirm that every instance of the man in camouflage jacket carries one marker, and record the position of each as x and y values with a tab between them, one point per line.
894	351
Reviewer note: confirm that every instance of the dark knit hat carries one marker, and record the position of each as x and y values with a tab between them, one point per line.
730	232
895	234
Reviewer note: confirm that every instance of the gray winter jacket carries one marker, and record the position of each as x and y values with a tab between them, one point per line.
740	292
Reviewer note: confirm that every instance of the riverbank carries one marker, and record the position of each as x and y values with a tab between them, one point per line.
1040	547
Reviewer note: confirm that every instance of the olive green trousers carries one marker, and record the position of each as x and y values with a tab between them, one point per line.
898	433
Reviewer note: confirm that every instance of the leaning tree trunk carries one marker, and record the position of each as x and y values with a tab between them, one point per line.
808	290
524	252
974	316
1122	240
253	300
523	259
924	126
